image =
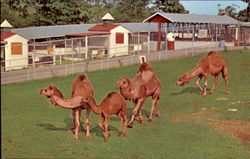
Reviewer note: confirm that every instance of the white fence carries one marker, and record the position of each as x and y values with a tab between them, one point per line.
101	64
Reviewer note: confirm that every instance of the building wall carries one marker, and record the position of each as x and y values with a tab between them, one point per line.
16	61
118	49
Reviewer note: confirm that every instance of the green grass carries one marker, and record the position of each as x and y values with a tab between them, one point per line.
31	128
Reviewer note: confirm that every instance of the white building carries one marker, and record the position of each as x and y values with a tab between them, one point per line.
14	51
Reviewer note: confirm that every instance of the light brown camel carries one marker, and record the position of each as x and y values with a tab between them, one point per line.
210	65
112	104
145	84
80	88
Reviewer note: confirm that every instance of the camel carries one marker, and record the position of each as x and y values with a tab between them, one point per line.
112	104
80	88
144	85
210	65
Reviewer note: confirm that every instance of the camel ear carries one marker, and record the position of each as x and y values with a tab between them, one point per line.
51	87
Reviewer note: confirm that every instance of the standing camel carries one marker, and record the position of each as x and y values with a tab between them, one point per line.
112	104
210	65
80	88
145	84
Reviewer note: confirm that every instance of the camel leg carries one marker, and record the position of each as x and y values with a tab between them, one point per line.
121	123
134	112
73	120
197	83
87	123
214	84
77	124
227	91
204	92
141	121
152	109
158	108
106	124
125	130
101	123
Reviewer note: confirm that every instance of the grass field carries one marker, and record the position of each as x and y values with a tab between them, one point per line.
32	128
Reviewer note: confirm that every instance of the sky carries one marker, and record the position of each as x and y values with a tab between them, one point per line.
210	6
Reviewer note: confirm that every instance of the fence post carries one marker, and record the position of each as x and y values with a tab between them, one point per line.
86	47
149	42
33	58
72	46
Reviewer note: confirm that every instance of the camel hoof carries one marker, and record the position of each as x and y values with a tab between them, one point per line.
88	136
140	121
105	139
204	94
226	92
120	134
75	137
101	127
130	125
149	120
210	92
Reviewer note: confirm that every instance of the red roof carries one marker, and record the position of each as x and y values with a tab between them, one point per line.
101	27
5	35
86	34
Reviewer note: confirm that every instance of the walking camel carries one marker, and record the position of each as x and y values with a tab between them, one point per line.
81	87
210	65
113	103
144	85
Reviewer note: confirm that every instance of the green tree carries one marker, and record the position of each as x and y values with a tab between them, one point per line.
132	11
244	15
170	6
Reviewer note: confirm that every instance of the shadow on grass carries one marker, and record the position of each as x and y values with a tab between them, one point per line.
68	125
187	90
99	131
52	127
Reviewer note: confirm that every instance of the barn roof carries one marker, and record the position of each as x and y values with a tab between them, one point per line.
101	27
7	34
52	31
194	18
62	30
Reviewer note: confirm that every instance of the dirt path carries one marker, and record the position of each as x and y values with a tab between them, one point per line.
239	129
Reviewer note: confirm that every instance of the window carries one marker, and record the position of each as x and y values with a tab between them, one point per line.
119	38
16	48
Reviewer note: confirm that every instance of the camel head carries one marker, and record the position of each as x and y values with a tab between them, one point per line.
51	90
184	79
123	83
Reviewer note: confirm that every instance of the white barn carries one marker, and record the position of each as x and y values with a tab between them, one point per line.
14	51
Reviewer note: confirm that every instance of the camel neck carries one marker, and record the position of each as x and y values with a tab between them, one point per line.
95	108
125	93
195	72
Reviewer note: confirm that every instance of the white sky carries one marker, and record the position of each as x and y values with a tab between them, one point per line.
210	6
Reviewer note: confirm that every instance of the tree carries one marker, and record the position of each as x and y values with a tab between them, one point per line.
244	15
132	11
170	6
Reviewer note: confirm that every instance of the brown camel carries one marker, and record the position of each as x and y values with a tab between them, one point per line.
145	84
112	104
210	65
80	88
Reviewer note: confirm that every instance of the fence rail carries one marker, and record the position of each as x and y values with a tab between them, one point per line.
101	64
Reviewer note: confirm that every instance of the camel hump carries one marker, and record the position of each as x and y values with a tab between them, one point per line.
82	77
112	94
145	67
212	52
